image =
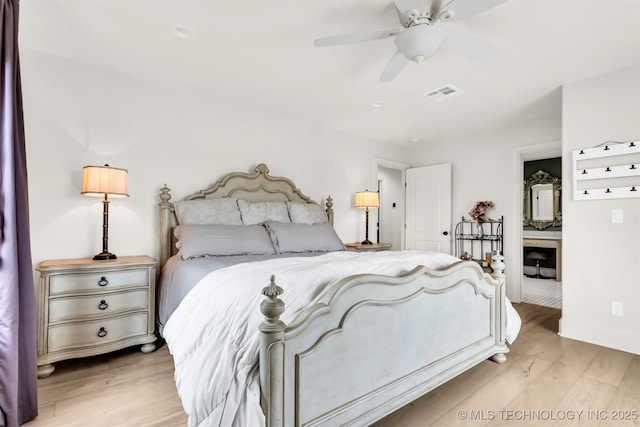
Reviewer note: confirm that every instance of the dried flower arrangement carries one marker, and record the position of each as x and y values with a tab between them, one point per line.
479	211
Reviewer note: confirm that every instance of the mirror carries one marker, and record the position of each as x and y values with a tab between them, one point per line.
542	201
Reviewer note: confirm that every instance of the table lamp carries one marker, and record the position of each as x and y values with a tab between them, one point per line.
104	181
367	199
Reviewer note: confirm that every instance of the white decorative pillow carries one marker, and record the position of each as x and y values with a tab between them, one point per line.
208	211
259	212
198	240
307	213
288	238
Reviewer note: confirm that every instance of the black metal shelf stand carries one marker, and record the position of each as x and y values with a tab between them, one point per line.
478	239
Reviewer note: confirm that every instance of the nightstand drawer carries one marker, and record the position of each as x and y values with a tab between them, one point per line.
79	307
96	332
105	280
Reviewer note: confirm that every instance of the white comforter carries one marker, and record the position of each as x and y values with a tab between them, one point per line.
213	334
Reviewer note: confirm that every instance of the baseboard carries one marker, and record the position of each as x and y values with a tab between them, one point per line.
603	337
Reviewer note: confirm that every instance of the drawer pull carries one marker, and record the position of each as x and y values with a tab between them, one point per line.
102	332
103	305
103	281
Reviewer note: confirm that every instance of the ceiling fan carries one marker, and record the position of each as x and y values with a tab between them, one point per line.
421	38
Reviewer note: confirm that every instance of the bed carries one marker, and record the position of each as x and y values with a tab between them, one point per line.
307	333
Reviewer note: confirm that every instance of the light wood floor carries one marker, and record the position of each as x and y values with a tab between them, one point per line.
545	381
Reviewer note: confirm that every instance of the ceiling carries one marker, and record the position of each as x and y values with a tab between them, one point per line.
260	55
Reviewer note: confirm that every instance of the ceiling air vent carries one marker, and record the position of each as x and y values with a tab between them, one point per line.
445	92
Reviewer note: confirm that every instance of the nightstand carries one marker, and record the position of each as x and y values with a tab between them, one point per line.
88	307
369	248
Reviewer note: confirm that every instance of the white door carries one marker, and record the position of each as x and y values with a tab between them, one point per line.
428	208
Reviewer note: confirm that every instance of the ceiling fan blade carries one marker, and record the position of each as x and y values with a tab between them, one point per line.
456	10
397	62
437	6
468	46
404	6
358	37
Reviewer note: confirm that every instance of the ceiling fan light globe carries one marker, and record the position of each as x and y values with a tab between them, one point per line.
420	42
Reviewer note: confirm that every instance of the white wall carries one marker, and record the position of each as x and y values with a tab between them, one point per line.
485	167
76	116
601	260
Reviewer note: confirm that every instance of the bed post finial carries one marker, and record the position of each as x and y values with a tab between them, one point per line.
329	209
497	266
165	225
272	355
165	194
272	307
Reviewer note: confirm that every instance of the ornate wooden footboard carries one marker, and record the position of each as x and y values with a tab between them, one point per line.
375	343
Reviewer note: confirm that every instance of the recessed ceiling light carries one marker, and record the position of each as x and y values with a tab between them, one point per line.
183	32
414	140
377	105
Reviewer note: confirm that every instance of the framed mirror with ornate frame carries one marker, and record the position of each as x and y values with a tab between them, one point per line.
541	197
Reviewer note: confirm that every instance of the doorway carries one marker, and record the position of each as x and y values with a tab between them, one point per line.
544	289
391	210
415	206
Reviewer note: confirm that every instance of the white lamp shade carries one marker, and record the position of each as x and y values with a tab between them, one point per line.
98	181
367	199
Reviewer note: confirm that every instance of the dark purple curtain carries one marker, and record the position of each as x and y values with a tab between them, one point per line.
18	364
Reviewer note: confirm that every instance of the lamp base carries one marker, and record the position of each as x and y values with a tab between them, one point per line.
104	256
367	242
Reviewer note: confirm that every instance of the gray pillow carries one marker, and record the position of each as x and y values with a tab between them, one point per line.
198	240
259	212
208	211
288	238
307	213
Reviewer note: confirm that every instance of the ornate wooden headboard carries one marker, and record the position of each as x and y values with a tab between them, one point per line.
258	186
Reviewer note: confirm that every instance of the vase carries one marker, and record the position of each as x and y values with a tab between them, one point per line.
479	230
